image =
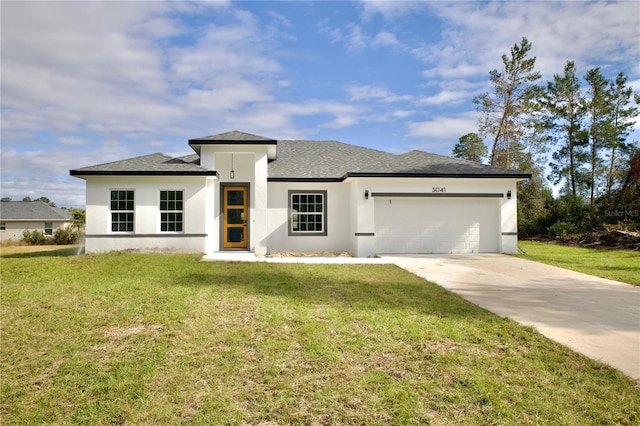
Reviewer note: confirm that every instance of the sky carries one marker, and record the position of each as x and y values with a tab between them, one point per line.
85	83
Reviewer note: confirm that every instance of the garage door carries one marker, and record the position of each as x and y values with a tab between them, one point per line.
445	225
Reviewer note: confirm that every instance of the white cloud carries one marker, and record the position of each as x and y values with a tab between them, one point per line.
477	34
448	97
51	66
449	127
280	19
389	9
455	71
355	38
333	34
341	122
277	118
236	48
384	38
123	78
380	94
351	35
402	113
228	93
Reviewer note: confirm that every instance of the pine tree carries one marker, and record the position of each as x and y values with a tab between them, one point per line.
505	113
600	127
623	117
470	147
564	104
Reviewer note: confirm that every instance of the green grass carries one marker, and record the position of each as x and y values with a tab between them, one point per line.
619	265
166	339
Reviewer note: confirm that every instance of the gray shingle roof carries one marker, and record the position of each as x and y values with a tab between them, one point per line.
420	162
31	210
322	159
152	164
334	160
234	136
307	160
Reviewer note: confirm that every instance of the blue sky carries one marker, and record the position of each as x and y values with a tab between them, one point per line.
90	82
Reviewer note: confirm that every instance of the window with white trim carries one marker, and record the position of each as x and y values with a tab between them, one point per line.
307	212
48	228
3	226
122	211
171	205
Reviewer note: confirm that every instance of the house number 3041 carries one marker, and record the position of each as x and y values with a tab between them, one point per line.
438	189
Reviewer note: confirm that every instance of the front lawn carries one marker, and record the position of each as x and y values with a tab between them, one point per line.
166	339
619	265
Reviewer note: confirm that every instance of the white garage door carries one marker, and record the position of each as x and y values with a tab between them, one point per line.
442	225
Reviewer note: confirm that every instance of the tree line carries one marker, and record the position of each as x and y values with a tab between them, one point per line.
28	199
571	132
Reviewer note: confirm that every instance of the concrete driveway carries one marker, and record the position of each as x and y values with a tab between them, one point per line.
597	317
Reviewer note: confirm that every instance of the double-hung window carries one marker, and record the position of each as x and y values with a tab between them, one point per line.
122	211
171	204
48	228
307	212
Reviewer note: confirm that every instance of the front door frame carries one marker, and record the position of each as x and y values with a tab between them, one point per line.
223	217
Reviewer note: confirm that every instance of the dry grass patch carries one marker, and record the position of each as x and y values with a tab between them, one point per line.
121	332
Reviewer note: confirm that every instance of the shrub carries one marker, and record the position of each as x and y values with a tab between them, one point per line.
561	229
34	237
66	235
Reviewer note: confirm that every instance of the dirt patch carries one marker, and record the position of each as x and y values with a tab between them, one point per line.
294	253
121	332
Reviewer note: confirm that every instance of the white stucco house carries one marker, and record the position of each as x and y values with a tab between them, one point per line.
19	216
249	193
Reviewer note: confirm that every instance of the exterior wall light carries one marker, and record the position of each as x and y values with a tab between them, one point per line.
366	194
509	195
232	173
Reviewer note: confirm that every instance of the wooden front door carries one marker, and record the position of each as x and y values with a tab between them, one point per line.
235	229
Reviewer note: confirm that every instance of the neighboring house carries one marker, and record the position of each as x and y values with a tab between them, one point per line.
19	216
249	193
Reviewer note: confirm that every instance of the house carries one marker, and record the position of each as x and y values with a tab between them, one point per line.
19	216
250	193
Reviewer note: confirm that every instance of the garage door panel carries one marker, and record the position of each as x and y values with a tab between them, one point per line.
436	226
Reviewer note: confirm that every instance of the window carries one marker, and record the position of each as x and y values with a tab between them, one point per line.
3	226
48	228
307	213
171	211
121	211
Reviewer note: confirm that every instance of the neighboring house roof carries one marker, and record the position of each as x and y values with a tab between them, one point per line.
153	164
304	160
31	210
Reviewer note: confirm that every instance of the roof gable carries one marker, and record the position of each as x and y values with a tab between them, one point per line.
233	137
32	210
